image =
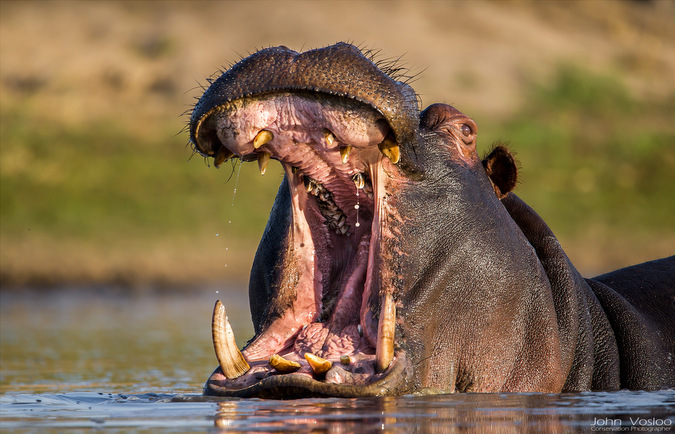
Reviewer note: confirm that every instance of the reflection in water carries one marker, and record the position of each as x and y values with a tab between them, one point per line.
439	413
137	362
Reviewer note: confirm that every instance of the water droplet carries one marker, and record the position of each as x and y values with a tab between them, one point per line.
216	233
217	292
356	206
357	224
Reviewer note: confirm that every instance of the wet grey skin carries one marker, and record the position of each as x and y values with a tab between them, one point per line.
399	259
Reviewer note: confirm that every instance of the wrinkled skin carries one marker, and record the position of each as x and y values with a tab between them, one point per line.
483	297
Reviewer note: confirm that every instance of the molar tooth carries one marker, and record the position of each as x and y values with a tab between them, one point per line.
232	362
386	329
342	221
359	181
222	156
319	365
261	138
390	149
282	365
328	135
309	184
263	159
344	153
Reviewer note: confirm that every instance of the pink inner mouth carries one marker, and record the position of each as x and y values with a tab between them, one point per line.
332	252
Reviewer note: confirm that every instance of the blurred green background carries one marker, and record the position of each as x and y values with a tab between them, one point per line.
99	186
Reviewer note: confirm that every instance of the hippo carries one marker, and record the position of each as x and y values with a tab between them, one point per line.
396	260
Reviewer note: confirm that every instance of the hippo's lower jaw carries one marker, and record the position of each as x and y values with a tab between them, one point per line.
301	385
329	295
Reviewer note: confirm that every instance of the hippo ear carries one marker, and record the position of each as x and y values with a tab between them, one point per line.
502	170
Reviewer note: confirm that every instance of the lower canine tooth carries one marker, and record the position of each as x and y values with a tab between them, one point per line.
386	329
390	149
263	159
232	362
222	156
282	365
262	138
319	366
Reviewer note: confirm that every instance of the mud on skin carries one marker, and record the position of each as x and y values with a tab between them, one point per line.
396	260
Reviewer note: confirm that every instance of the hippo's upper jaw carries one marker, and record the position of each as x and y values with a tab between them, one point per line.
326	270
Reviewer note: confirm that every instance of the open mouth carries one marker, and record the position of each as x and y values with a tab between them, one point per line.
330	319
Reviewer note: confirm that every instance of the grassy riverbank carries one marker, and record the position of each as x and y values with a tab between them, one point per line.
98	186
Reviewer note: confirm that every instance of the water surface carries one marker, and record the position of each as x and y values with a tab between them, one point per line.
80	359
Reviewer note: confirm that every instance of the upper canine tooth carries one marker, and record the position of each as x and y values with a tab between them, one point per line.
344	153
390	149
328	135
263	159
319	366
232	362
359	181
386	329
261	138
282	365
222	156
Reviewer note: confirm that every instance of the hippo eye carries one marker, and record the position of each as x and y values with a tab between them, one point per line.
466	130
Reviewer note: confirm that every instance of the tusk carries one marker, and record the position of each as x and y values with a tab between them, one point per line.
282	365
261	138
263	159
232	362
344	153
386	329
390	149
222	156
319	366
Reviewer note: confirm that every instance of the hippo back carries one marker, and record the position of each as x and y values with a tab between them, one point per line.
619	327
639	302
